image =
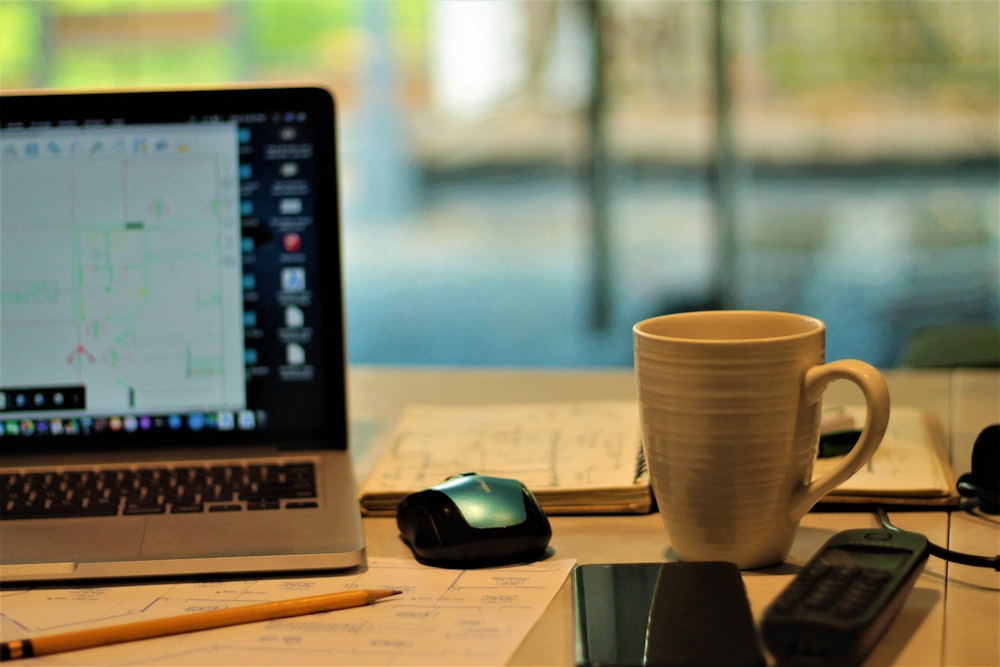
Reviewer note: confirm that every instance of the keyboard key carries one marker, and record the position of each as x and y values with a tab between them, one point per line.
131	509
187	508
225	508
263	505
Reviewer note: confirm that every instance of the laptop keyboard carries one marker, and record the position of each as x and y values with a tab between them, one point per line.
173	490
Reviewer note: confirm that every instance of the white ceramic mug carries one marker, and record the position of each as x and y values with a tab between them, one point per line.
730	405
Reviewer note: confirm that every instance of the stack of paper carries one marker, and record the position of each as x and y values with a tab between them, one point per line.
581	457
910	466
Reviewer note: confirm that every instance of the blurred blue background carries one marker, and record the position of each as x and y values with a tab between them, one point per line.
522	181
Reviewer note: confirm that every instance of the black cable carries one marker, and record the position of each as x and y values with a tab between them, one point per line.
941	552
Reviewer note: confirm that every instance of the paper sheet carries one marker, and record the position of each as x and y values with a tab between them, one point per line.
908	462
444	617
544	445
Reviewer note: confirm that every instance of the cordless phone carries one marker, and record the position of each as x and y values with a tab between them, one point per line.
844	598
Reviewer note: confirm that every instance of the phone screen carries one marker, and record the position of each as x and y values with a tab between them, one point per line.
663	615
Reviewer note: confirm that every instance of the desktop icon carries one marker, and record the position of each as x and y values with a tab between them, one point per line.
293	279
294	318
295	354
246	420
225	420
292	242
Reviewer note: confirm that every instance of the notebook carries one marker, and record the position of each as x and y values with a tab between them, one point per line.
172	358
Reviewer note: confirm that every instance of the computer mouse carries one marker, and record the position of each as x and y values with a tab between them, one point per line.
472	520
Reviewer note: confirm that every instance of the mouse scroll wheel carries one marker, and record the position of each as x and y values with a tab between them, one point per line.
461	474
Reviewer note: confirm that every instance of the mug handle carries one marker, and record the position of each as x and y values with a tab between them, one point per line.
876	394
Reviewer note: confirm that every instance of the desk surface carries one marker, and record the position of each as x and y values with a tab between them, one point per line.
951	617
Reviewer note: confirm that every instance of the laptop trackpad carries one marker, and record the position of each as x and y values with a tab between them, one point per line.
81	540
233	534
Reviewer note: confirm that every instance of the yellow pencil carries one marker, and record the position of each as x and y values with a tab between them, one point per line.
160	627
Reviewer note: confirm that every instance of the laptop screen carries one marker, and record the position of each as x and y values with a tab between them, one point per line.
169	269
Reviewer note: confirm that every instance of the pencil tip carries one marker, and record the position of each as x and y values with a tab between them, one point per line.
379	594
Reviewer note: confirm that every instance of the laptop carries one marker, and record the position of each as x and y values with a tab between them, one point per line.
172	357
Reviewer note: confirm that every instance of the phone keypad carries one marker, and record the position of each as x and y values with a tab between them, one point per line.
845	591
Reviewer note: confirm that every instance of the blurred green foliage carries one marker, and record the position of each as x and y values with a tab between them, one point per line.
920	49
262	39
19	27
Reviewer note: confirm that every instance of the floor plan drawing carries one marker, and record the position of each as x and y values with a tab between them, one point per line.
443	617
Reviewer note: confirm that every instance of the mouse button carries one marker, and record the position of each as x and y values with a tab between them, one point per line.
487	502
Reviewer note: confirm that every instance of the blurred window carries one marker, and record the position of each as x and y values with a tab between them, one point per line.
522	181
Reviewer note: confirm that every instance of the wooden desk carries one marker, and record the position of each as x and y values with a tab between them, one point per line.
951	617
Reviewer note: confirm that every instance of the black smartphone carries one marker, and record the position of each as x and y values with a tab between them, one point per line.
663	615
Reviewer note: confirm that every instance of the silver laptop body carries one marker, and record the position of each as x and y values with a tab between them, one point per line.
172	302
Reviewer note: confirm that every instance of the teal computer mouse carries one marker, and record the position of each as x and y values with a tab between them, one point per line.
473	520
